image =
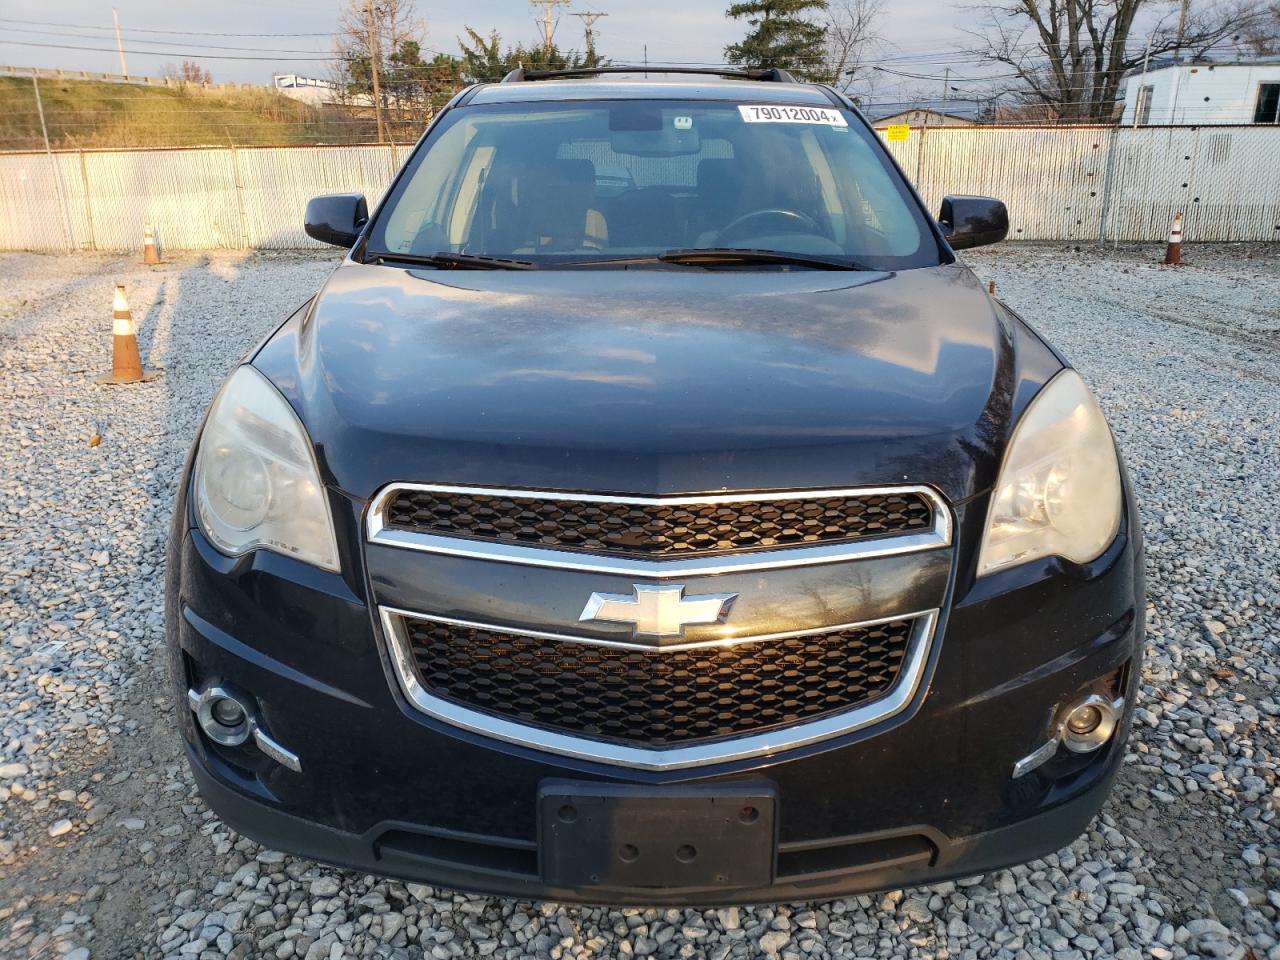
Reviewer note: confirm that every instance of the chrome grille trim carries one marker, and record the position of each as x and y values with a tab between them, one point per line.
670	758
940	535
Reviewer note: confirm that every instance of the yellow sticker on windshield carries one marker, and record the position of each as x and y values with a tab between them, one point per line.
769	113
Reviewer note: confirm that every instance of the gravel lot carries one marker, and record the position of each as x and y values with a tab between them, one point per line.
106	851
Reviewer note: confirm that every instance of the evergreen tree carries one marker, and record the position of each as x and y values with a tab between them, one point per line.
781	36
483	58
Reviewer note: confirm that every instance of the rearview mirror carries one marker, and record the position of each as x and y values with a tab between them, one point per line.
973	221
336	218
656	143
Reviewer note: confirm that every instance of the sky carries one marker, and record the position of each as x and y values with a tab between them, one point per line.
921	37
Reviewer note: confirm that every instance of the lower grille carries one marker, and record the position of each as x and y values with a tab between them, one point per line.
662	697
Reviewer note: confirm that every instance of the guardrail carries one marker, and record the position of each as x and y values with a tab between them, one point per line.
51	73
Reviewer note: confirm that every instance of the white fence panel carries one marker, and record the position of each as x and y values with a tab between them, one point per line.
188	196
1050	178
1225	180
1060	183
277	182
33	215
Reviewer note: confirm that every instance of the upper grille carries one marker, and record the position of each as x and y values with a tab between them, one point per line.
658	530
660	697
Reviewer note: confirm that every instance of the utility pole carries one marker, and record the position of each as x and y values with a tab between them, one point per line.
1182	23
589	28
124	64
375	54
946	85
549	20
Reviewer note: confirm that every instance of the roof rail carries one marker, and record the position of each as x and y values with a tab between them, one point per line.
770	74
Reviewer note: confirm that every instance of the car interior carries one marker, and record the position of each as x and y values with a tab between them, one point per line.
626	181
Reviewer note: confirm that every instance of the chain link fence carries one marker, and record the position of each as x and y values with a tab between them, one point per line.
1060	183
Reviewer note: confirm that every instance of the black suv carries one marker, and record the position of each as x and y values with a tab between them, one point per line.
651	509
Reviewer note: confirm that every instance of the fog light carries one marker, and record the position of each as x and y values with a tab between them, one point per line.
226	719
222	716
228	713
1081	721
1089	723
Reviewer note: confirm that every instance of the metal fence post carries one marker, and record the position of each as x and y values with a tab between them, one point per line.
88	202
1112	135
1191	202
1129	135
55	169
235	173
920	155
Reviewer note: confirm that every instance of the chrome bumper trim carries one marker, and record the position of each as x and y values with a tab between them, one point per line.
1036	758
274	750
797	556
670	758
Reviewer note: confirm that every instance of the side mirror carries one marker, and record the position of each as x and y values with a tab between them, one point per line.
336	218
973	221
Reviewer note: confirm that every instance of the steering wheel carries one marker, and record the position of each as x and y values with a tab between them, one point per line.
793	222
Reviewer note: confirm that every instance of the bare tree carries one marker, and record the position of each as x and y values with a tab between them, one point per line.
188	72
1073	54
852	32
1262	36
395	21
194	73
394	41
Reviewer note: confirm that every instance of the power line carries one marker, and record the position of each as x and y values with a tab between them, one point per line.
201	46
182	33
948	78
156	53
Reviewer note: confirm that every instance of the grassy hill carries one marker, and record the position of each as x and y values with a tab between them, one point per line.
88	113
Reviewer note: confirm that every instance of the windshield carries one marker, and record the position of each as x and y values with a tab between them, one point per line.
552	183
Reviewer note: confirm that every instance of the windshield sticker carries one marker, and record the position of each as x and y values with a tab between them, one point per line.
760	113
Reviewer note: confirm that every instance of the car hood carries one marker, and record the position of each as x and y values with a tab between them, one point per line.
655	381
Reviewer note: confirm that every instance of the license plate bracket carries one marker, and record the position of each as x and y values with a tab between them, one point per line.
622	835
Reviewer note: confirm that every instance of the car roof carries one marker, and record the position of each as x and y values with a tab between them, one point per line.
643	88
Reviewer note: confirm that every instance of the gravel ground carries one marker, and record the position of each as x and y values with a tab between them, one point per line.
106	851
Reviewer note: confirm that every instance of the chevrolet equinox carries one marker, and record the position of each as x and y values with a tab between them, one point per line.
651	509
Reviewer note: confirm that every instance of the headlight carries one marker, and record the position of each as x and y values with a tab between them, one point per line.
256	481
1058	493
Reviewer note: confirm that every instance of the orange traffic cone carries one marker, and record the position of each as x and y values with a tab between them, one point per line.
1173	252
126	362
150	255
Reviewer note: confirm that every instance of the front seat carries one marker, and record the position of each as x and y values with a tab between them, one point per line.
720	184
553	207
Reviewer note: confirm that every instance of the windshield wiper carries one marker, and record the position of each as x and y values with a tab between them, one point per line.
714	256
694	257
457	261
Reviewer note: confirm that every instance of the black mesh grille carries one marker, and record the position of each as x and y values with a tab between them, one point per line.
658	697
661	531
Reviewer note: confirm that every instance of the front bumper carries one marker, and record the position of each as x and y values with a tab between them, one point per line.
875	861
386	789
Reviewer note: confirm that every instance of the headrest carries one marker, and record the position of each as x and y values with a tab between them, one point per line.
713	172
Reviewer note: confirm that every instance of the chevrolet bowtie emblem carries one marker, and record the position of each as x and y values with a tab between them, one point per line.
657	612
